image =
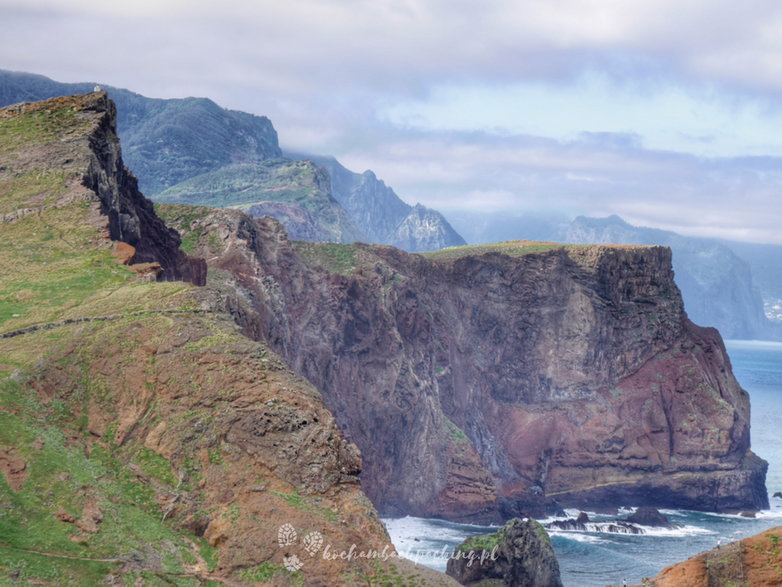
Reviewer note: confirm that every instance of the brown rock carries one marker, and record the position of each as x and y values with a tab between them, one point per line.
123	253
484	386
14	467
64	516
91	518
752	561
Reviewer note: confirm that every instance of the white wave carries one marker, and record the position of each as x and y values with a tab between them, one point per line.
676	532
723	515
614	528
578	536
776	512
412	532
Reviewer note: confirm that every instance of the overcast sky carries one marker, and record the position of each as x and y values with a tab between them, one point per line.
666	112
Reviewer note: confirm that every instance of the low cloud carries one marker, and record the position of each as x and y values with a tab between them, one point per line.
596	175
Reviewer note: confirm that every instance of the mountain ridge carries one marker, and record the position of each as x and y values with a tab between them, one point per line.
169	142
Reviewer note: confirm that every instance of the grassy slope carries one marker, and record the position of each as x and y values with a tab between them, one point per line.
52	270
292	183
82	495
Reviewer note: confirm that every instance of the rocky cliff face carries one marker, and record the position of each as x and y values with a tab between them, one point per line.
143	438
92	145
717	285
487	381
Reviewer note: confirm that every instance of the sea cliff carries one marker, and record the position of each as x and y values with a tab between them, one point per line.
485	382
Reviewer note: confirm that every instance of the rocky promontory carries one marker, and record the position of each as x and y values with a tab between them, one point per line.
486	382
754	561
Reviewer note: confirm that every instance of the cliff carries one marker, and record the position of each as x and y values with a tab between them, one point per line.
143	438
297	193
482	382
88	155
192	150
165	141
716	284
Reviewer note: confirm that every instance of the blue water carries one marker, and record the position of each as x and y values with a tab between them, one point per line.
596	559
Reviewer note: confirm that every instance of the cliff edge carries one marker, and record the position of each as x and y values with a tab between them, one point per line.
492	381
143	438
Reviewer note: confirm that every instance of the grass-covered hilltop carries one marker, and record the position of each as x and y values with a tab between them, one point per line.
143	438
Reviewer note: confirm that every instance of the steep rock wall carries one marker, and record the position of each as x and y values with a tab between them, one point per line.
89	149
479	386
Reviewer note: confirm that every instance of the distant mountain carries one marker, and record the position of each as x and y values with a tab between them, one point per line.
164	141
195	142
716	284
297	193
382	215
766	264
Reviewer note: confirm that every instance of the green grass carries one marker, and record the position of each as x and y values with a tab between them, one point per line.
155	466
182	217
301	502
454	432
510	248
62	477
484	542
263	572
333	257
297	186
277	180
37	127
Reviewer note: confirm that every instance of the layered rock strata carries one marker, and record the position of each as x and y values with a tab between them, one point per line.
484	382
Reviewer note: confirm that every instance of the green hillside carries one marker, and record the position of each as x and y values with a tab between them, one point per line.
300	190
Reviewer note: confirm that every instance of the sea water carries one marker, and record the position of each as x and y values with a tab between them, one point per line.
596	558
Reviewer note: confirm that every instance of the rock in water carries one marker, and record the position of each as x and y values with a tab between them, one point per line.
649	516
518	554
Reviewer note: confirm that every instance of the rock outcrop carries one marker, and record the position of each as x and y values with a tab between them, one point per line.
143	437
518	555
484	382
754	561
649	516
717	285
92	151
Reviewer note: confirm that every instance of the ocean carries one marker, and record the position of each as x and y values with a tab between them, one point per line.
596	558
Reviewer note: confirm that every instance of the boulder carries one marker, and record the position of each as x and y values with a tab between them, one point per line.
649	516
519	554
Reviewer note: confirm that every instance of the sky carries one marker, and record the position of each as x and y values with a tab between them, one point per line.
665	112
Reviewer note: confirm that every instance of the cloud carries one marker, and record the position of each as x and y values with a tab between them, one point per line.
392	45
590	106
595	175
